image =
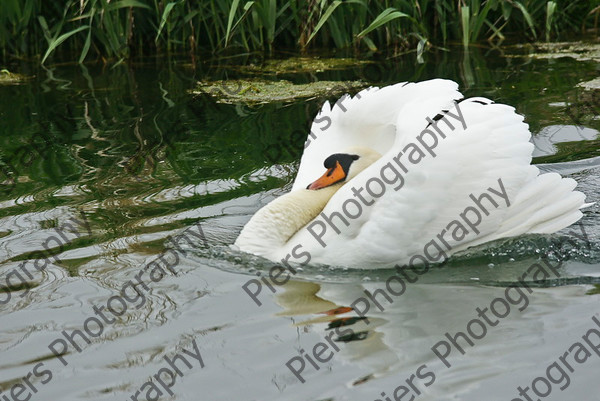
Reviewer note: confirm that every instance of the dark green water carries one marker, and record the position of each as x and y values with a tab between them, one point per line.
142	159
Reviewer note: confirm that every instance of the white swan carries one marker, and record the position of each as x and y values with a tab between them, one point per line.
434	152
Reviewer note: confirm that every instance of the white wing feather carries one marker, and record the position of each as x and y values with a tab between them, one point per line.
494	145
366	120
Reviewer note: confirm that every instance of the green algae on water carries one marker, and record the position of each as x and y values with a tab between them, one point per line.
594	84
10	78
594	291
577	50
257	91
303	65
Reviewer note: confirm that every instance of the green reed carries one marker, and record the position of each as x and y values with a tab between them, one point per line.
119	29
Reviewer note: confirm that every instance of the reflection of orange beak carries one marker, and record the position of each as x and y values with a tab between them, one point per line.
330	177
337	311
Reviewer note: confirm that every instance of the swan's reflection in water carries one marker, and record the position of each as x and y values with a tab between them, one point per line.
357	340
392	344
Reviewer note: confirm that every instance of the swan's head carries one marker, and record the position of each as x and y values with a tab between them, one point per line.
342	167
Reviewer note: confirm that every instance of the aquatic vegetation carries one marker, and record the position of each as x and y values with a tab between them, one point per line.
120	29
143	160
10	78
303	64
255	91
594	84
577	50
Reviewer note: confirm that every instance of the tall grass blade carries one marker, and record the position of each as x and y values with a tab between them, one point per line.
479	20
115	5
56	42
497	32
86	46
45	29
247	7
163	20
465	13
271	21
232	10
550	8
324	19
527	17
370	44
386	16
421	50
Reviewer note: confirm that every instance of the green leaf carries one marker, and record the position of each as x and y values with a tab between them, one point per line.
497	32
45	29
56	42
386	16
441	15
370	44
246	7
550	8
421	50
465	14
478	21
272	20
232	10
164	18
527	17
86	47
190	16
324	18
88	39
115	5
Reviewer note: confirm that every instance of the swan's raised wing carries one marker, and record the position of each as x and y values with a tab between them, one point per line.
482	163
366	120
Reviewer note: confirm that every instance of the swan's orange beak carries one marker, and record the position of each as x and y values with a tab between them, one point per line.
331	176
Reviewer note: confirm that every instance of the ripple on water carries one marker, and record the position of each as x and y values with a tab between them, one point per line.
142	170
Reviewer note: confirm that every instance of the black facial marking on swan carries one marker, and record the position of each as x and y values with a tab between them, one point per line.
344	159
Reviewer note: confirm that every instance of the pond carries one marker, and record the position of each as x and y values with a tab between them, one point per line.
107	172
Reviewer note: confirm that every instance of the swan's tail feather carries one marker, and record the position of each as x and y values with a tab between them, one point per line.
543	206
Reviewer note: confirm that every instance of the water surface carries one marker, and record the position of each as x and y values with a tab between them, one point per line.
135	158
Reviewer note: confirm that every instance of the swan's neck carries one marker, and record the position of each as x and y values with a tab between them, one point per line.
273	225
